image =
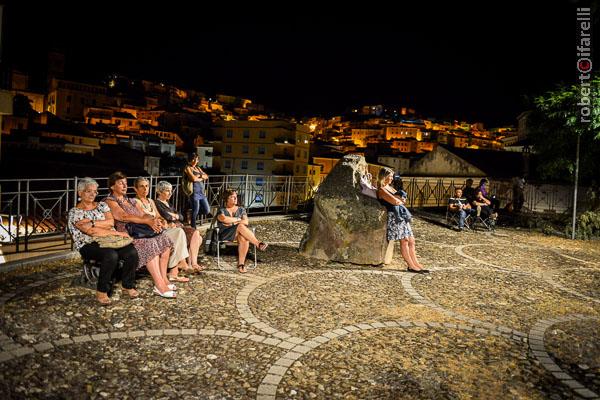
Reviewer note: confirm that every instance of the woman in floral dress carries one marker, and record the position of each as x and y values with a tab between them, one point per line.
153	252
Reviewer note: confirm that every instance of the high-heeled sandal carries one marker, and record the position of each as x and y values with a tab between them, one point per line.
262	246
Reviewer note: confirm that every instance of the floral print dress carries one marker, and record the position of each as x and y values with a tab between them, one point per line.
147	248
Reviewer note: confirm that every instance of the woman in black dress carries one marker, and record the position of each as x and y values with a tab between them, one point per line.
233	225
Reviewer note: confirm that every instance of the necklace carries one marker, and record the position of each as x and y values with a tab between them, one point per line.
147	208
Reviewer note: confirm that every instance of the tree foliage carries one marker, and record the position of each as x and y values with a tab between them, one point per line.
554	125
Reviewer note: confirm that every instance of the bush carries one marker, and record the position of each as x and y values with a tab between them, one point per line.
587	226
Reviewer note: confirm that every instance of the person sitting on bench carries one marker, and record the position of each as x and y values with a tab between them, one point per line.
89	219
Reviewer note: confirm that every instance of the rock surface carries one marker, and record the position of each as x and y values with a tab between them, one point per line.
347	226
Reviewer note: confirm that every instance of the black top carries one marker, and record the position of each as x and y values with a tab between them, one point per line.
164	211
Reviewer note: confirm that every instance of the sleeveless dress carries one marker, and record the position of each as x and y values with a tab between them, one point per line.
147	248
397	227
198	191
228	233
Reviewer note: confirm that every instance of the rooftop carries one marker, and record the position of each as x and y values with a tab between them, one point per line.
501	316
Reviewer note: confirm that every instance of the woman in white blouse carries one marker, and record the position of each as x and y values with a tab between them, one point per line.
89	219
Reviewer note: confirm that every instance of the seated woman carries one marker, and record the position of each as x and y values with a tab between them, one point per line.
398	222
89	219
177	259
164	190
153	252
483	206
233	225
494	202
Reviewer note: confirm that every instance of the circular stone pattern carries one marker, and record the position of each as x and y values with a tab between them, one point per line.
446	235
416	364
209	300
525	259
310	304
160	367
584	281
575	346
516	301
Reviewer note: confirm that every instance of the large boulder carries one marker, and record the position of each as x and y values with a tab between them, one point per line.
347	226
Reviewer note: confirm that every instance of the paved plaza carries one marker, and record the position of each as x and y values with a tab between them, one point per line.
509	315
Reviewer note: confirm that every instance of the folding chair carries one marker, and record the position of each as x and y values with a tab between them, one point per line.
452	219
489	223
213	243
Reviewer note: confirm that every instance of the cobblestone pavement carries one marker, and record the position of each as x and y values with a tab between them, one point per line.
510	315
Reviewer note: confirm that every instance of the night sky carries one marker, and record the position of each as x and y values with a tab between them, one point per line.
457	62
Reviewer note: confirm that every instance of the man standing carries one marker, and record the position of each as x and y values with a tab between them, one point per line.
518	193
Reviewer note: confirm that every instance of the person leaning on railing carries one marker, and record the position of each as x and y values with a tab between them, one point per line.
194	174
153	252
89	219
164	191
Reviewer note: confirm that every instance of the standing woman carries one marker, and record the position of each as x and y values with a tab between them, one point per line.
398	221
153	252
198	199
89	219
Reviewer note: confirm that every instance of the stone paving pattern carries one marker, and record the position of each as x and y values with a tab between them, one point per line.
509	315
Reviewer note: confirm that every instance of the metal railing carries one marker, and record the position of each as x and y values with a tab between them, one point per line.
31	209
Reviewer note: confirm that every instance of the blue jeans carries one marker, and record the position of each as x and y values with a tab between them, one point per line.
462	215
197	205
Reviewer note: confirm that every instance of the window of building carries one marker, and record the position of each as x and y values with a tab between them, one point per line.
229	133
68	98
245	149
246	134
297	168
244	164
259	181
304	169
305	154
228	148
227	164
260	165
261	149
262	134
297	153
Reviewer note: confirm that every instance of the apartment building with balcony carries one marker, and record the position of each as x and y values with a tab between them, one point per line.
268	147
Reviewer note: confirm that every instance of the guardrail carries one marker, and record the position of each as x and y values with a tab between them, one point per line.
34	208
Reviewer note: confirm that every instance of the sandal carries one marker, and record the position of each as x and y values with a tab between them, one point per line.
198	268
132	293
169	294
242	269
178	279
262	246
103	298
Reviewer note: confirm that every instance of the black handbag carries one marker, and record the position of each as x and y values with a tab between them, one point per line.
140	231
